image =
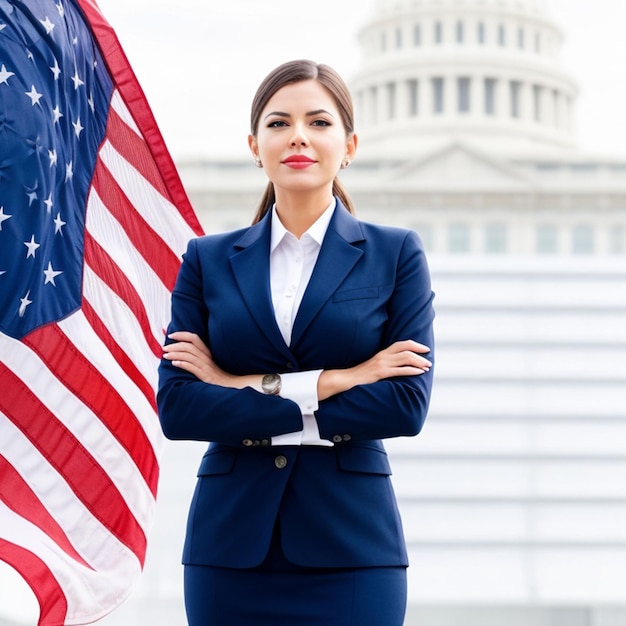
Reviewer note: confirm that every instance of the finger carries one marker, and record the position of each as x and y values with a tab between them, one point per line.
192	338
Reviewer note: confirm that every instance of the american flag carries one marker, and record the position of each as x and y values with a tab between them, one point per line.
93	221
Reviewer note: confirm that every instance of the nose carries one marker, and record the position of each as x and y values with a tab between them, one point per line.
299	137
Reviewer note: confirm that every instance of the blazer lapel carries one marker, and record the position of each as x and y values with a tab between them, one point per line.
250	265
336	259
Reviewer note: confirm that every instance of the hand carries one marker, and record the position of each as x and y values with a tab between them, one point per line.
191	354
402	358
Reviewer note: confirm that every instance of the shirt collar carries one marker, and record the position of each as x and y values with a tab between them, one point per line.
316	231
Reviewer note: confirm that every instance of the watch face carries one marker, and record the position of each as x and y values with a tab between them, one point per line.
271	384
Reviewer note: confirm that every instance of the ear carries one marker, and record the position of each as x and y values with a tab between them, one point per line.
254	148
351	146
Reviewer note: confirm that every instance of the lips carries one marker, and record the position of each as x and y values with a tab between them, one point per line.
298	161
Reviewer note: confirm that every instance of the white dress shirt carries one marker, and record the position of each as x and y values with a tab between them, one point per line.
291	264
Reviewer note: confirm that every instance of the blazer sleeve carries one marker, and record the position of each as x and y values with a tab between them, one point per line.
191	409
396	406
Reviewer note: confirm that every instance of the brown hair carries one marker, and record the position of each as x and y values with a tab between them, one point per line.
295	72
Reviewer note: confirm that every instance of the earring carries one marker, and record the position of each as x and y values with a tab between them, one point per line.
345	164
257	162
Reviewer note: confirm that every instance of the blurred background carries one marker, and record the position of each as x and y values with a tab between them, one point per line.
492	128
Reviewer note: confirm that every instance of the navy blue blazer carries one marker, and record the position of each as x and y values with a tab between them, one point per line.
336	506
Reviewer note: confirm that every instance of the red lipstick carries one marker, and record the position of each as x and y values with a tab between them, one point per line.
298	161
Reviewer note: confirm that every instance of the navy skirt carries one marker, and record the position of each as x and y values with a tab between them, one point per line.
278	593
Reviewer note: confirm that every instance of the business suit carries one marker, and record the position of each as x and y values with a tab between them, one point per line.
335	506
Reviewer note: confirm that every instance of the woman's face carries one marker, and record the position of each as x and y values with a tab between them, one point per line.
301	139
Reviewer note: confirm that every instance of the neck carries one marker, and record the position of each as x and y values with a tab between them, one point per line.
299	211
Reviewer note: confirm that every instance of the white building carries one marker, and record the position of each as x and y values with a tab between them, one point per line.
514	495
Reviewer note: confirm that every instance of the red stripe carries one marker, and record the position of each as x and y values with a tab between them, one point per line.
135	150
147	242
19	497
91	484
75	371
49	593
134	98
105	267
120	355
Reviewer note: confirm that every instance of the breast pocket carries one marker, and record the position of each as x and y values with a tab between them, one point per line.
356	294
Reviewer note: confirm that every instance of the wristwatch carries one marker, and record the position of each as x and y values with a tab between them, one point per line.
270	384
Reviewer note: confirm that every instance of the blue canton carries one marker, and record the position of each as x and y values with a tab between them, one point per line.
54	97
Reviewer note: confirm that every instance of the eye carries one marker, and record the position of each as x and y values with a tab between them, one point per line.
321	123
277	124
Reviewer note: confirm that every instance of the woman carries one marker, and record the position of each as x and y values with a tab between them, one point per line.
295	346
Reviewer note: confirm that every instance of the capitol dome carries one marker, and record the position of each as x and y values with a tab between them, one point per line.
479	72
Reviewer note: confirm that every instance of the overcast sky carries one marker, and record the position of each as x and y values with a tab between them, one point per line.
200	61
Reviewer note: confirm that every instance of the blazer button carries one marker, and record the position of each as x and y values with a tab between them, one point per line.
347	437
248	442
337	438
265	442
280	461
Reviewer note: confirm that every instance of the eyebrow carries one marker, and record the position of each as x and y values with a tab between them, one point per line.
309	114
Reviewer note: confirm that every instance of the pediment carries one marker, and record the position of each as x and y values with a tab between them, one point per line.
458	166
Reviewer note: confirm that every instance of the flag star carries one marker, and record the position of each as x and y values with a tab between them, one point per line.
29	54
56	112
58	224
3	216
5	75
2	272
49	204
32	247
2	26
92	105
24	302
78	127
51	274
34	95
47	24
69	171
60	9
52	155
77	81
32	196
56	70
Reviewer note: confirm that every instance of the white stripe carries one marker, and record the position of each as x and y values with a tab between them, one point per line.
101	590
83	424
86	534
119	106
161	214
108	232
77	329
121	323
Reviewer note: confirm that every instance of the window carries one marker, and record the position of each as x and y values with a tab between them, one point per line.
460	32
495	238
501	35
490	96
480	34
458	238
520	38
438	32
373	97
391	100
546	239
463	87
413	89
398	38
515	98
537	102
583	239
438	95
417	35
617	240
